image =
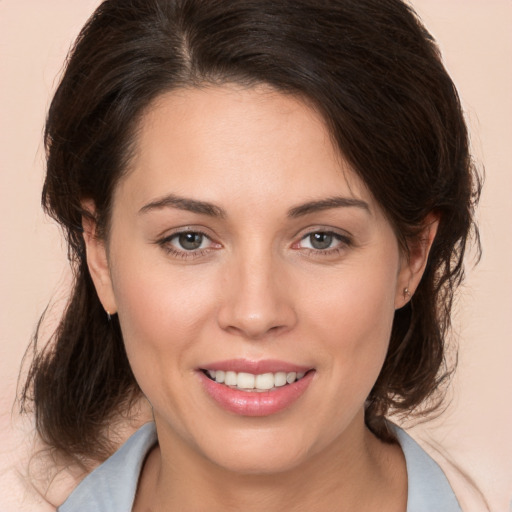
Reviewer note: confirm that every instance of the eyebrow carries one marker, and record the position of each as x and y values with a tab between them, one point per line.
206	208
327	204
183	203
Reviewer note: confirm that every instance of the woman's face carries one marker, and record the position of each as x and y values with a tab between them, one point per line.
242	242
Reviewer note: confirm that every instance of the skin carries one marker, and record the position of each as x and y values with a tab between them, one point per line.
256	289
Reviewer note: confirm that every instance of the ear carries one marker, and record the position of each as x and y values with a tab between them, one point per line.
414	263
97	260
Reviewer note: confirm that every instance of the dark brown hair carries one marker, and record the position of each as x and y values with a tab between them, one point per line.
373	72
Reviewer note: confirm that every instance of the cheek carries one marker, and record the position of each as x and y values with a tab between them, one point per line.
355	317
162	311
357	298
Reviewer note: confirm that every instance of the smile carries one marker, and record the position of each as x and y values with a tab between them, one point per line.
254	383
249	388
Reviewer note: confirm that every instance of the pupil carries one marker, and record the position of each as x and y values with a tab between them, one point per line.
321	240
190	241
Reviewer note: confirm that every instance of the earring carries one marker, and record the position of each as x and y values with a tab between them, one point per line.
109	318
407	293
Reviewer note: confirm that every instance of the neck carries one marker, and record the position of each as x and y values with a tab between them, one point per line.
356	472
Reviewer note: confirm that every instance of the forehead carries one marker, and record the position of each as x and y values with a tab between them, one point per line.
201	140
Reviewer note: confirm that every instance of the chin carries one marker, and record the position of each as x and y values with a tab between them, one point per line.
269	463
258	453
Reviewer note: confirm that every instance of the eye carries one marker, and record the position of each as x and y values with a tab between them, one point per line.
189	241
320	241
188	244
323	241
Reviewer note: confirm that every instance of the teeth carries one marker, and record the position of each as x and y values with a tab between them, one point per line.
264	381
248	381
279	379
290	377
245	380
230	379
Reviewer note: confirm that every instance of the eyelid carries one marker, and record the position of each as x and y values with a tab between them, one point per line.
165	242
311	230
186	228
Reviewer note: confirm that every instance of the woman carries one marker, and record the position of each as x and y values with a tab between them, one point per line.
267	205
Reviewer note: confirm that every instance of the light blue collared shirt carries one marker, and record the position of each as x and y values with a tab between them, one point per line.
111	487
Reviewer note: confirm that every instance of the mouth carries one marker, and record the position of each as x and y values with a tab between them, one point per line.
255	388
249	382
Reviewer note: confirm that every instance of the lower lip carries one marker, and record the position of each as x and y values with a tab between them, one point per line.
253	403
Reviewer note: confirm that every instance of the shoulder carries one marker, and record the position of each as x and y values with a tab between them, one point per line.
428	487
111	486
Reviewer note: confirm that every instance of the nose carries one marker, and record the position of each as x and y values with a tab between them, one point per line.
257	299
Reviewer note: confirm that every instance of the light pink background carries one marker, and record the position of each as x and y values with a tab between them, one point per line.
471	439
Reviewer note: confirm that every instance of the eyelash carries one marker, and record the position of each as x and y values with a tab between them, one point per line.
344	242
166	244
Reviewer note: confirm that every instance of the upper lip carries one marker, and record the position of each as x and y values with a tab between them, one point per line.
255	367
